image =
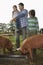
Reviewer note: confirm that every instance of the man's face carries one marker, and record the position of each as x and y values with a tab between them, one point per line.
21	7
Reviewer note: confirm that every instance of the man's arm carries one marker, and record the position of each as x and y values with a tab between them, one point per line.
22	14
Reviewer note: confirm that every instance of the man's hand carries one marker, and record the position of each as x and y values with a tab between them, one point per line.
13	20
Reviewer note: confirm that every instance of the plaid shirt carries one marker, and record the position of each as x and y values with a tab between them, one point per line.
23	18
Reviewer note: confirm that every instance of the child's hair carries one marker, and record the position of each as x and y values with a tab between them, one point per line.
14	6
32	12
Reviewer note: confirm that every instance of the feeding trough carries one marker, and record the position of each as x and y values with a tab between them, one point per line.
13	60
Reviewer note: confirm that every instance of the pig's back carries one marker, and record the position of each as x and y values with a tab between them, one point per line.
36	41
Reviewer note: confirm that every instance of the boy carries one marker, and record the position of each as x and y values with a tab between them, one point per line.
33	26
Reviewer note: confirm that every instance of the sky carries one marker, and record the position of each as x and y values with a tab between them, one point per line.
6	9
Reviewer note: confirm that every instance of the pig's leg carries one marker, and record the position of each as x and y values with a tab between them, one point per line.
31	57
30	52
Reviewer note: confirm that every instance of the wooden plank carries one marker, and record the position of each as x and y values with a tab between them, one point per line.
6	34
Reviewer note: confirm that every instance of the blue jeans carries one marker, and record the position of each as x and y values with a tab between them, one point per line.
24	32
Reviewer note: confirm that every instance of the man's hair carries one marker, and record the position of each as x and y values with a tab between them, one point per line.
32	12
21	4
14	6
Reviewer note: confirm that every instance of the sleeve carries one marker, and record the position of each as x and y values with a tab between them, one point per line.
37	25
22	14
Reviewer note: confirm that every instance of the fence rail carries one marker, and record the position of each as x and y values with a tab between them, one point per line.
6	34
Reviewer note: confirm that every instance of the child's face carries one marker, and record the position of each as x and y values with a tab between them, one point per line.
14	8
30	15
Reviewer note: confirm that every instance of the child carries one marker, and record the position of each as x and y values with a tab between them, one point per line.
33	26
17	25
14	14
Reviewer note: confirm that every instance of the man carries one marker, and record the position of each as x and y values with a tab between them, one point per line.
23	19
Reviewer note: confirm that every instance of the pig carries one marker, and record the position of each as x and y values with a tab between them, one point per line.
5	43
33	42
